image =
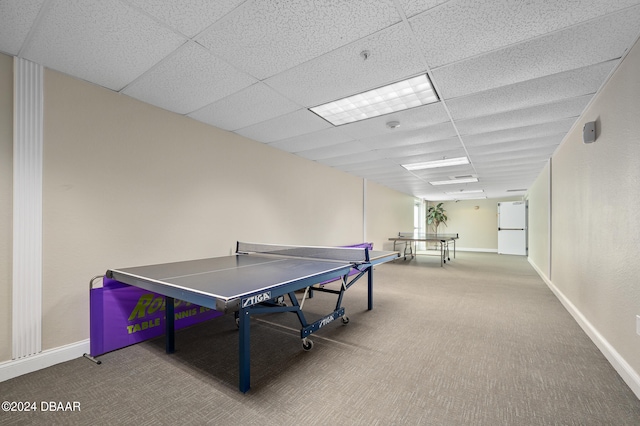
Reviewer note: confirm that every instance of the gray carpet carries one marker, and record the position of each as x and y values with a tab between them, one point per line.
481	341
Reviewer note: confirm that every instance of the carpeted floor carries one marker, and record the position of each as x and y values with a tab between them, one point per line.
481	341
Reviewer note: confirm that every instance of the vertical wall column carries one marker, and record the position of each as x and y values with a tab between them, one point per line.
27	209
364	210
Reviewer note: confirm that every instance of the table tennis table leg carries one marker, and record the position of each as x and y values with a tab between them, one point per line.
244	351
370	287
169	336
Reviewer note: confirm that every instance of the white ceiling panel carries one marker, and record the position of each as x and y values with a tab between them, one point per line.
16	19
534	152
188	80
413	7
249	106
189	17
555	87
414	118
517	145
399	138
344	72
358	157
102	41
528	132
512	76
265	37
454	152
397	174
461	29
585	44
319	139
566	108
435	147
444	173
515	165
331	151
285	126
376	165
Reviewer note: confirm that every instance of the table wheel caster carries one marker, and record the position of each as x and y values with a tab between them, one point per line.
307	344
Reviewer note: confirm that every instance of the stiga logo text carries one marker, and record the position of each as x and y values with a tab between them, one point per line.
256	299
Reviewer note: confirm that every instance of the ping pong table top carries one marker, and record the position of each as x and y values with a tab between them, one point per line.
411	236
251	283
220	282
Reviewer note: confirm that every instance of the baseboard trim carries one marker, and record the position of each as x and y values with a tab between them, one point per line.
628	374
15	368
479	250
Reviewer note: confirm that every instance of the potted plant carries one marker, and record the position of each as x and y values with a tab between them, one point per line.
436	215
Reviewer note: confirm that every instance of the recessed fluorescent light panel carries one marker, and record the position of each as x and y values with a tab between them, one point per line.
470	191
438	163
395	97
449	182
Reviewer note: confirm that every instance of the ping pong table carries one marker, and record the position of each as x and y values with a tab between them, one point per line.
411	240
256	280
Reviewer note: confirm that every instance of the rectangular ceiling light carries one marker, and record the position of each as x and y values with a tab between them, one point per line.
438	163
468	191
398	96
449	182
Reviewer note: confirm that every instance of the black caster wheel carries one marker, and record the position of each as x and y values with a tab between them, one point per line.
307	345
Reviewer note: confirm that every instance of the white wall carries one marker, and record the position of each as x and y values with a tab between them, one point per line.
6	201
477	228
539	200
595	225
388	212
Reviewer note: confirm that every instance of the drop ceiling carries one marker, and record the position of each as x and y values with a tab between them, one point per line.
512	76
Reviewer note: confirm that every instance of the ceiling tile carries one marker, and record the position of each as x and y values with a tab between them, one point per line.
533	152
515	165
189	17
582	81
102	41
343	72
413	7
188	80
461	29
517	145
319	139
266	37
590	43
16	19
249	106
513	75
528	132
433	147
370	165
395	174
400	138
453	152
365	156
332	151
410	119
566	108
285	126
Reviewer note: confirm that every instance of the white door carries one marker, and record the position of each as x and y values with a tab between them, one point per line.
512	228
